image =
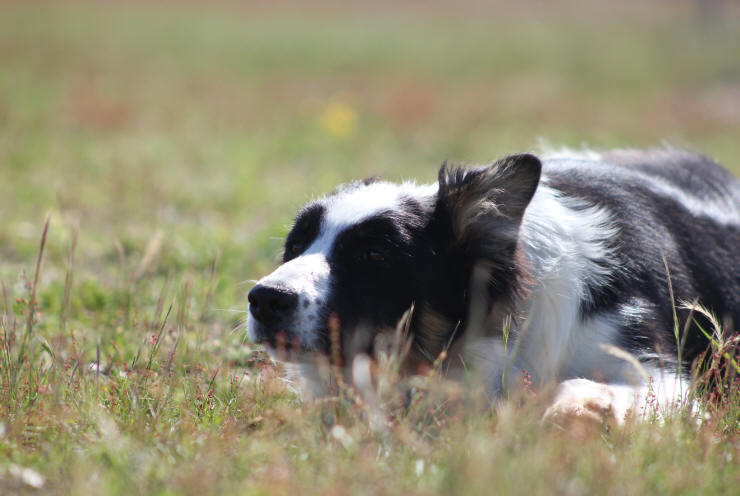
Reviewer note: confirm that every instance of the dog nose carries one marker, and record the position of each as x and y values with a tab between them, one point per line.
270	304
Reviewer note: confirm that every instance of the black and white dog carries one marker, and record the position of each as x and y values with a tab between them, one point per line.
572	255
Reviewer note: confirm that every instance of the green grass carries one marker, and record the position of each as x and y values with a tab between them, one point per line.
169	146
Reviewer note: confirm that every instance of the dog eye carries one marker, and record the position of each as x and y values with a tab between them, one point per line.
374	256
294	248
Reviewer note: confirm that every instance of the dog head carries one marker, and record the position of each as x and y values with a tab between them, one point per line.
358	258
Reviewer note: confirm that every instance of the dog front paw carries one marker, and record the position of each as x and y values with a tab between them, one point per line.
585	402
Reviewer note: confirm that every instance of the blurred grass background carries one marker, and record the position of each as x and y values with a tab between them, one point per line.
215	122
179	138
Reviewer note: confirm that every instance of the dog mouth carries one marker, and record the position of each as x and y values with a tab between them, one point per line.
288	346
284	341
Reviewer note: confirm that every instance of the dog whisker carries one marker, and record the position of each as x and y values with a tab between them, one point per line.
238	325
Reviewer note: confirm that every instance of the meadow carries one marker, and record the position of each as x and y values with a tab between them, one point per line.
151	159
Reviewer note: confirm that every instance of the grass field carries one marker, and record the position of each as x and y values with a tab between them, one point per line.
170	144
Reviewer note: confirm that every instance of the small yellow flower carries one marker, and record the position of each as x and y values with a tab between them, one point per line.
339	120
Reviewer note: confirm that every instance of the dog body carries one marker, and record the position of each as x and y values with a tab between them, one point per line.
564	270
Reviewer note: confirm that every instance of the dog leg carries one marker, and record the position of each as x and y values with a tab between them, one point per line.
663	394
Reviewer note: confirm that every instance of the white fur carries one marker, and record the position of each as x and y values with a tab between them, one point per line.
307	379
561	244
356	205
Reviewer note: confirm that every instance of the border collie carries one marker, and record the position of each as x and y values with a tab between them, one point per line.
580	259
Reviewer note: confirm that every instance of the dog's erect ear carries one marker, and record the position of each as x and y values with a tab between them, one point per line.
488	201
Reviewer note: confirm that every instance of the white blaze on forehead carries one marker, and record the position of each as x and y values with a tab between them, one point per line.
351	207
355	205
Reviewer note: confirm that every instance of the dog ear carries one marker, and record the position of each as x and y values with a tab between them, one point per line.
488	202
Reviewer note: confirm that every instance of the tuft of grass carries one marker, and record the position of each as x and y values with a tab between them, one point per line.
91	412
